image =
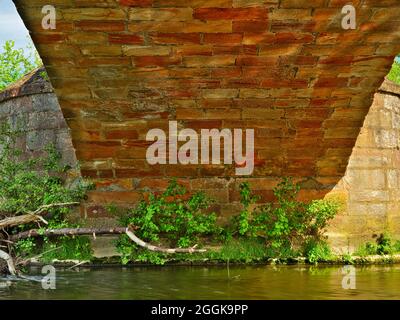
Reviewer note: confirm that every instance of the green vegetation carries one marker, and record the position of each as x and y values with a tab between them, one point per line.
62	248
281	230
346	258
175	217
27	184
242	250
15	63
251	250
394	74
317	251
384	245
288	222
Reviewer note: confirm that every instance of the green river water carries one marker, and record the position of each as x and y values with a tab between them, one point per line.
178	282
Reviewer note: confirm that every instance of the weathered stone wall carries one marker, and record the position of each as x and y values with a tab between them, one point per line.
31	105
371	185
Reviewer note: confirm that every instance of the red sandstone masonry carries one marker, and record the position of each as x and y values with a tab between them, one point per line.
236	14
136	3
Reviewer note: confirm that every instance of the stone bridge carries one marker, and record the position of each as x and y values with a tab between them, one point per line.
285	68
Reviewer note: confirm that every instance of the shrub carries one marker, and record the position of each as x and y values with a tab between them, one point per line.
28	183
317	251
396	247
67	248
286	222
244	220
15	63
384	244
366	249
173	217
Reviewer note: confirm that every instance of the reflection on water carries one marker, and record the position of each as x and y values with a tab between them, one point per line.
244	282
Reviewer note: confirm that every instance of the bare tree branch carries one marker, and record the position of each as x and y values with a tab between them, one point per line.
32	216
44	208
10	262
96	231
34	233
18	220
151	247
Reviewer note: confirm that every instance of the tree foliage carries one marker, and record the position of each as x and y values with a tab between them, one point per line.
15	63
174	215
26	183
394	74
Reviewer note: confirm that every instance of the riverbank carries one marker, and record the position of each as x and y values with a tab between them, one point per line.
115	262
242	251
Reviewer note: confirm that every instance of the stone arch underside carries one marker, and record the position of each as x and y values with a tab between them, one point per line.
286	68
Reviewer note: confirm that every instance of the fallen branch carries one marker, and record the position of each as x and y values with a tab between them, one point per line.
32	216
10	262
45	207
93	231
150	247
34	233
18	220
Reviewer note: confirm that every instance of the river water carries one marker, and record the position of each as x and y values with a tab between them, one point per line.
237	282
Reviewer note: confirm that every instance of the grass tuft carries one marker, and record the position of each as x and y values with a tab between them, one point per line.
394	74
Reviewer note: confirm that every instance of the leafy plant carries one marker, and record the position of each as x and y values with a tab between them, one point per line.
384	244
366	249
244	219
25	246
288	221
173	217
394	74
347	258
317	251
242	250
396	246
62	248
28	183
249	250
15	63
66	248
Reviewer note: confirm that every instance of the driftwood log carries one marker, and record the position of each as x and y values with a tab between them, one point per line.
151	247
36	215
32	216
10	262
90	231
34	233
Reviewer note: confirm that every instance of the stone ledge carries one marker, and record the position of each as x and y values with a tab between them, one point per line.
390	87
32	83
